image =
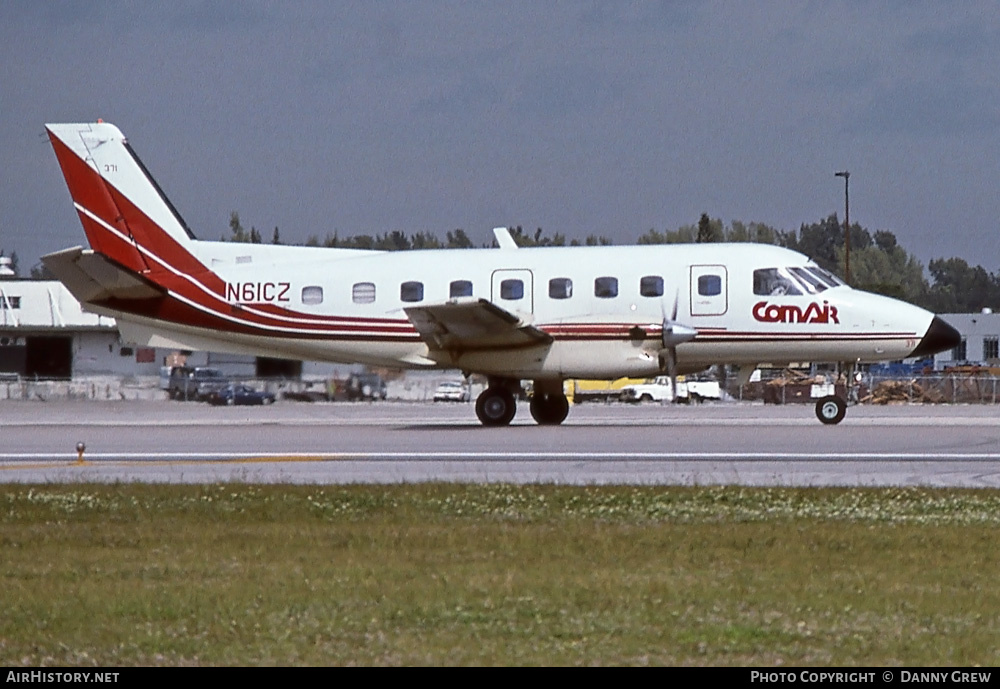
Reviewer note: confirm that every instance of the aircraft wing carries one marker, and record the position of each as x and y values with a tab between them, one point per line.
469	323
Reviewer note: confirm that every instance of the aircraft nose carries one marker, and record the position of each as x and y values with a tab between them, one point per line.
939	337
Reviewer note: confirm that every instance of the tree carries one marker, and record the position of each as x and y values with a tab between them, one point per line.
893	272
276	237
425	240
820	241
236	231
458	240
709	230
960	288
40	271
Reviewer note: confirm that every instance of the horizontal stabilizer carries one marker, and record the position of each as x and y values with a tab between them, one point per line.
469	323
92	277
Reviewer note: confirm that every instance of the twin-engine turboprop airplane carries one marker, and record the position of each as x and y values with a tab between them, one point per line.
544	314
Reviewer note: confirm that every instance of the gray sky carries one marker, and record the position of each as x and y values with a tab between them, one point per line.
603	117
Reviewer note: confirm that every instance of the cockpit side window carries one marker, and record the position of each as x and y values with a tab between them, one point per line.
774	282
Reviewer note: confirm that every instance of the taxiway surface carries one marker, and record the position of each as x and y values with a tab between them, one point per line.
331	443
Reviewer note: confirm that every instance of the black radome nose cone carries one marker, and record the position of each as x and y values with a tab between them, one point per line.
940	337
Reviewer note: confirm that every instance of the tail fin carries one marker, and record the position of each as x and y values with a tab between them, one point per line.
124	212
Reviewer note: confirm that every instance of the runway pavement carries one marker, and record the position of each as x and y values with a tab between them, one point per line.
407	442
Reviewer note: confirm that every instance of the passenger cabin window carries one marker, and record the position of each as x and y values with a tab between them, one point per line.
709	285
411	291
560	288
774	282
363	293
606	288
651	286
460	288
312	295
511	289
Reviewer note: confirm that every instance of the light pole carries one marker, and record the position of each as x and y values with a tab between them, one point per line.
847	224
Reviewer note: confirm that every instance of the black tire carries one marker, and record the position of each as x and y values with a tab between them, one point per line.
549	410
831	409
496	407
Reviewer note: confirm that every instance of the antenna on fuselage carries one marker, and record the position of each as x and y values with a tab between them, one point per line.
503	238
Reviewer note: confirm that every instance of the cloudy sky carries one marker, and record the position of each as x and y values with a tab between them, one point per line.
604	117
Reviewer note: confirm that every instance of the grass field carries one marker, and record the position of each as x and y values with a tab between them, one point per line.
119	575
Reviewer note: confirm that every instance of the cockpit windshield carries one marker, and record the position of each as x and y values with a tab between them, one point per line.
825	276
774	282
812	283
793	281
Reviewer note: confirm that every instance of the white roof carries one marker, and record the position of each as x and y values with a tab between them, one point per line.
44	304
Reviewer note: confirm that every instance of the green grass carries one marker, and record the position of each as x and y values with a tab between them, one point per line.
119	575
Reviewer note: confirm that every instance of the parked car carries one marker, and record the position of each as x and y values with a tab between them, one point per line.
236	393
197	383
365	386
452	391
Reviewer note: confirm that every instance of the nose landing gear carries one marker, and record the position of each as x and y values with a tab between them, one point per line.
831	409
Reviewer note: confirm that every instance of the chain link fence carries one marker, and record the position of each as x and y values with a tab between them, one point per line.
934	388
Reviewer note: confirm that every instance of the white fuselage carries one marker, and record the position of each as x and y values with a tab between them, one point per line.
596	333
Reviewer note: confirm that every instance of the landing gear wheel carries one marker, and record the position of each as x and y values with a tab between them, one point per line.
831	409
549	410
496	406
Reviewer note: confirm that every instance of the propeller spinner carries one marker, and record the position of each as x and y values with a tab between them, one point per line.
673	334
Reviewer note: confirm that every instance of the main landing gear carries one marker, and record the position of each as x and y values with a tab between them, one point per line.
497	404
549	409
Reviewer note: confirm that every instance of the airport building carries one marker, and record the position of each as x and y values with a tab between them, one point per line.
46	335
980	341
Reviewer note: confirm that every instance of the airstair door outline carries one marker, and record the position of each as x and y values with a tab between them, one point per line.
513	289
709	290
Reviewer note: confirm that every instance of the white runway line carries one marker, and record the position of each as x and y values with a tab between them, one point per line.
501	456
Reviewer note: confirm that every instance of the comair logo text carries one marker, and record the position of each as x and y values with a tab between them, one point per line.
785	313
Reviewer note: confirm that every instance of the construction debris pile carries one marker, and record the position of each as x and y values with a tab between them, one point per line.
794	386
901	392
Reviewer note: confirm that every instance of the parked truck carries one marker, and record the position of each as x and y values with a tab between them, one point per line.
659	389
